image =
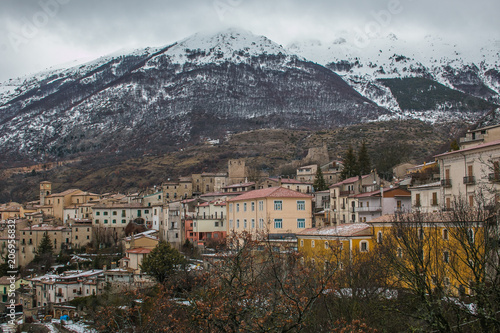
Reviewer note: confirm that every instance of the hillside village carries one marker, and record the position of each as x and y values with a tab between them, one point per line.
199	211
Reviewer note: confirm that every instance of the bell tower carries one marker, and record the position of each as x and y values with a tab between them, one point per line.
45	190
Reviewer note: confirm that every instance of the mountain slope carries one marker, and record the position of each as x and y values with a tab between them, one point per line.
472	71
200	87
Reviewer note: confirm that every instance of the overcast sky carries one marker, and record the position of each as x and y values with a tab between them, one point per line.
36	34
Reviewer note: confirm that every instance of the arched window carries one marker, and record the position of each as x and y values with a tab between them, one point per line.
470	236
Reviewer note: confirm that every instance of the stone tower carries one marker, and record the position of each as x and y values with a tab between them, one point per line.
237	171
45	190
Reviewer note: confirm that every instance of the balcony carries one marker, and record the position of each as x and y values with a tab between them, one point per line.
59	295
368	209
446	182
434	203
494	177
345	193
469	180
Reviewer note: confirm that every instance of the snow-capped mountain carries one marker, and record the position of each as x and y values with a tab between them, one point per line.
156	98
366	63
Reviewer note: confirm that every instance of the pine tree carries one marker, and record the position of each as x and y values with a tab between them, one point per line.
319	181
44	254
350	164
161	261
45	248
364	163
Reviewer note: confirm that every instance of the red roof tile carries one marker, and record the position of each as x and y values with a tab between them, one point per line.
139	250
273	192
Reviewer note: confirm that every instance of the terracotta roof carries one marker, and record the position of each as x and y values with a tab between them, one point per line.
67	192
483	145
139	250
342	230
6	280
273	192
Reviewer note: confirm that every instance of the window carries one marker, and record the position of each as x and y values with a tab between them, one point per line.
313	244
301	205
471	200
261	223
105	213
231	207
301	223
245	207
105	221
261	205
445	234
146	211
123	221
237	207
434	199
245	223
363	246
253	206
327	245
446	257
301	243
470	236
278	205
379	237
97	213
421	234
253	223
114	221
230	223
400	253
237	224
278	223
114	213
417	200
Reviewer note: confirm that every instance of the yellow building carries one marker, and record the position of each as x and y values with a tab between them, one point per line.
449	250
274	210
335	243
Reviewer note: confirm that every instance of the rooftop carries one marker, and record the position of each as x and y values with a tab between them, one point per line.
342	230
270	192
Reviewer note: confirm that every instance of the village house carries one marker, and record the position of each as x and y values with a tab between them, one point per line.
60	236
209	222
342	195
276	211
470	172
291	184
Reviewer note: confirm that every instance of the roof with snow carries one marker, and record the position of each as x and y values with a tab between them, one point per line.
342	230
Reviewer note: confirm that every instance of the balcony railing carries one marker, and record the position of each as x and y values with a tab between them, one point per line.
494	177
469	180
446	182
345	193
434	203
368	209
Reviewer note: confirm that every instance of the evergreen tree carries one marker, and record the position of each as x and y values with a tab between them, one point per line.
44	254
319	182
45	248
161	261
454	145
350	164
364	163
